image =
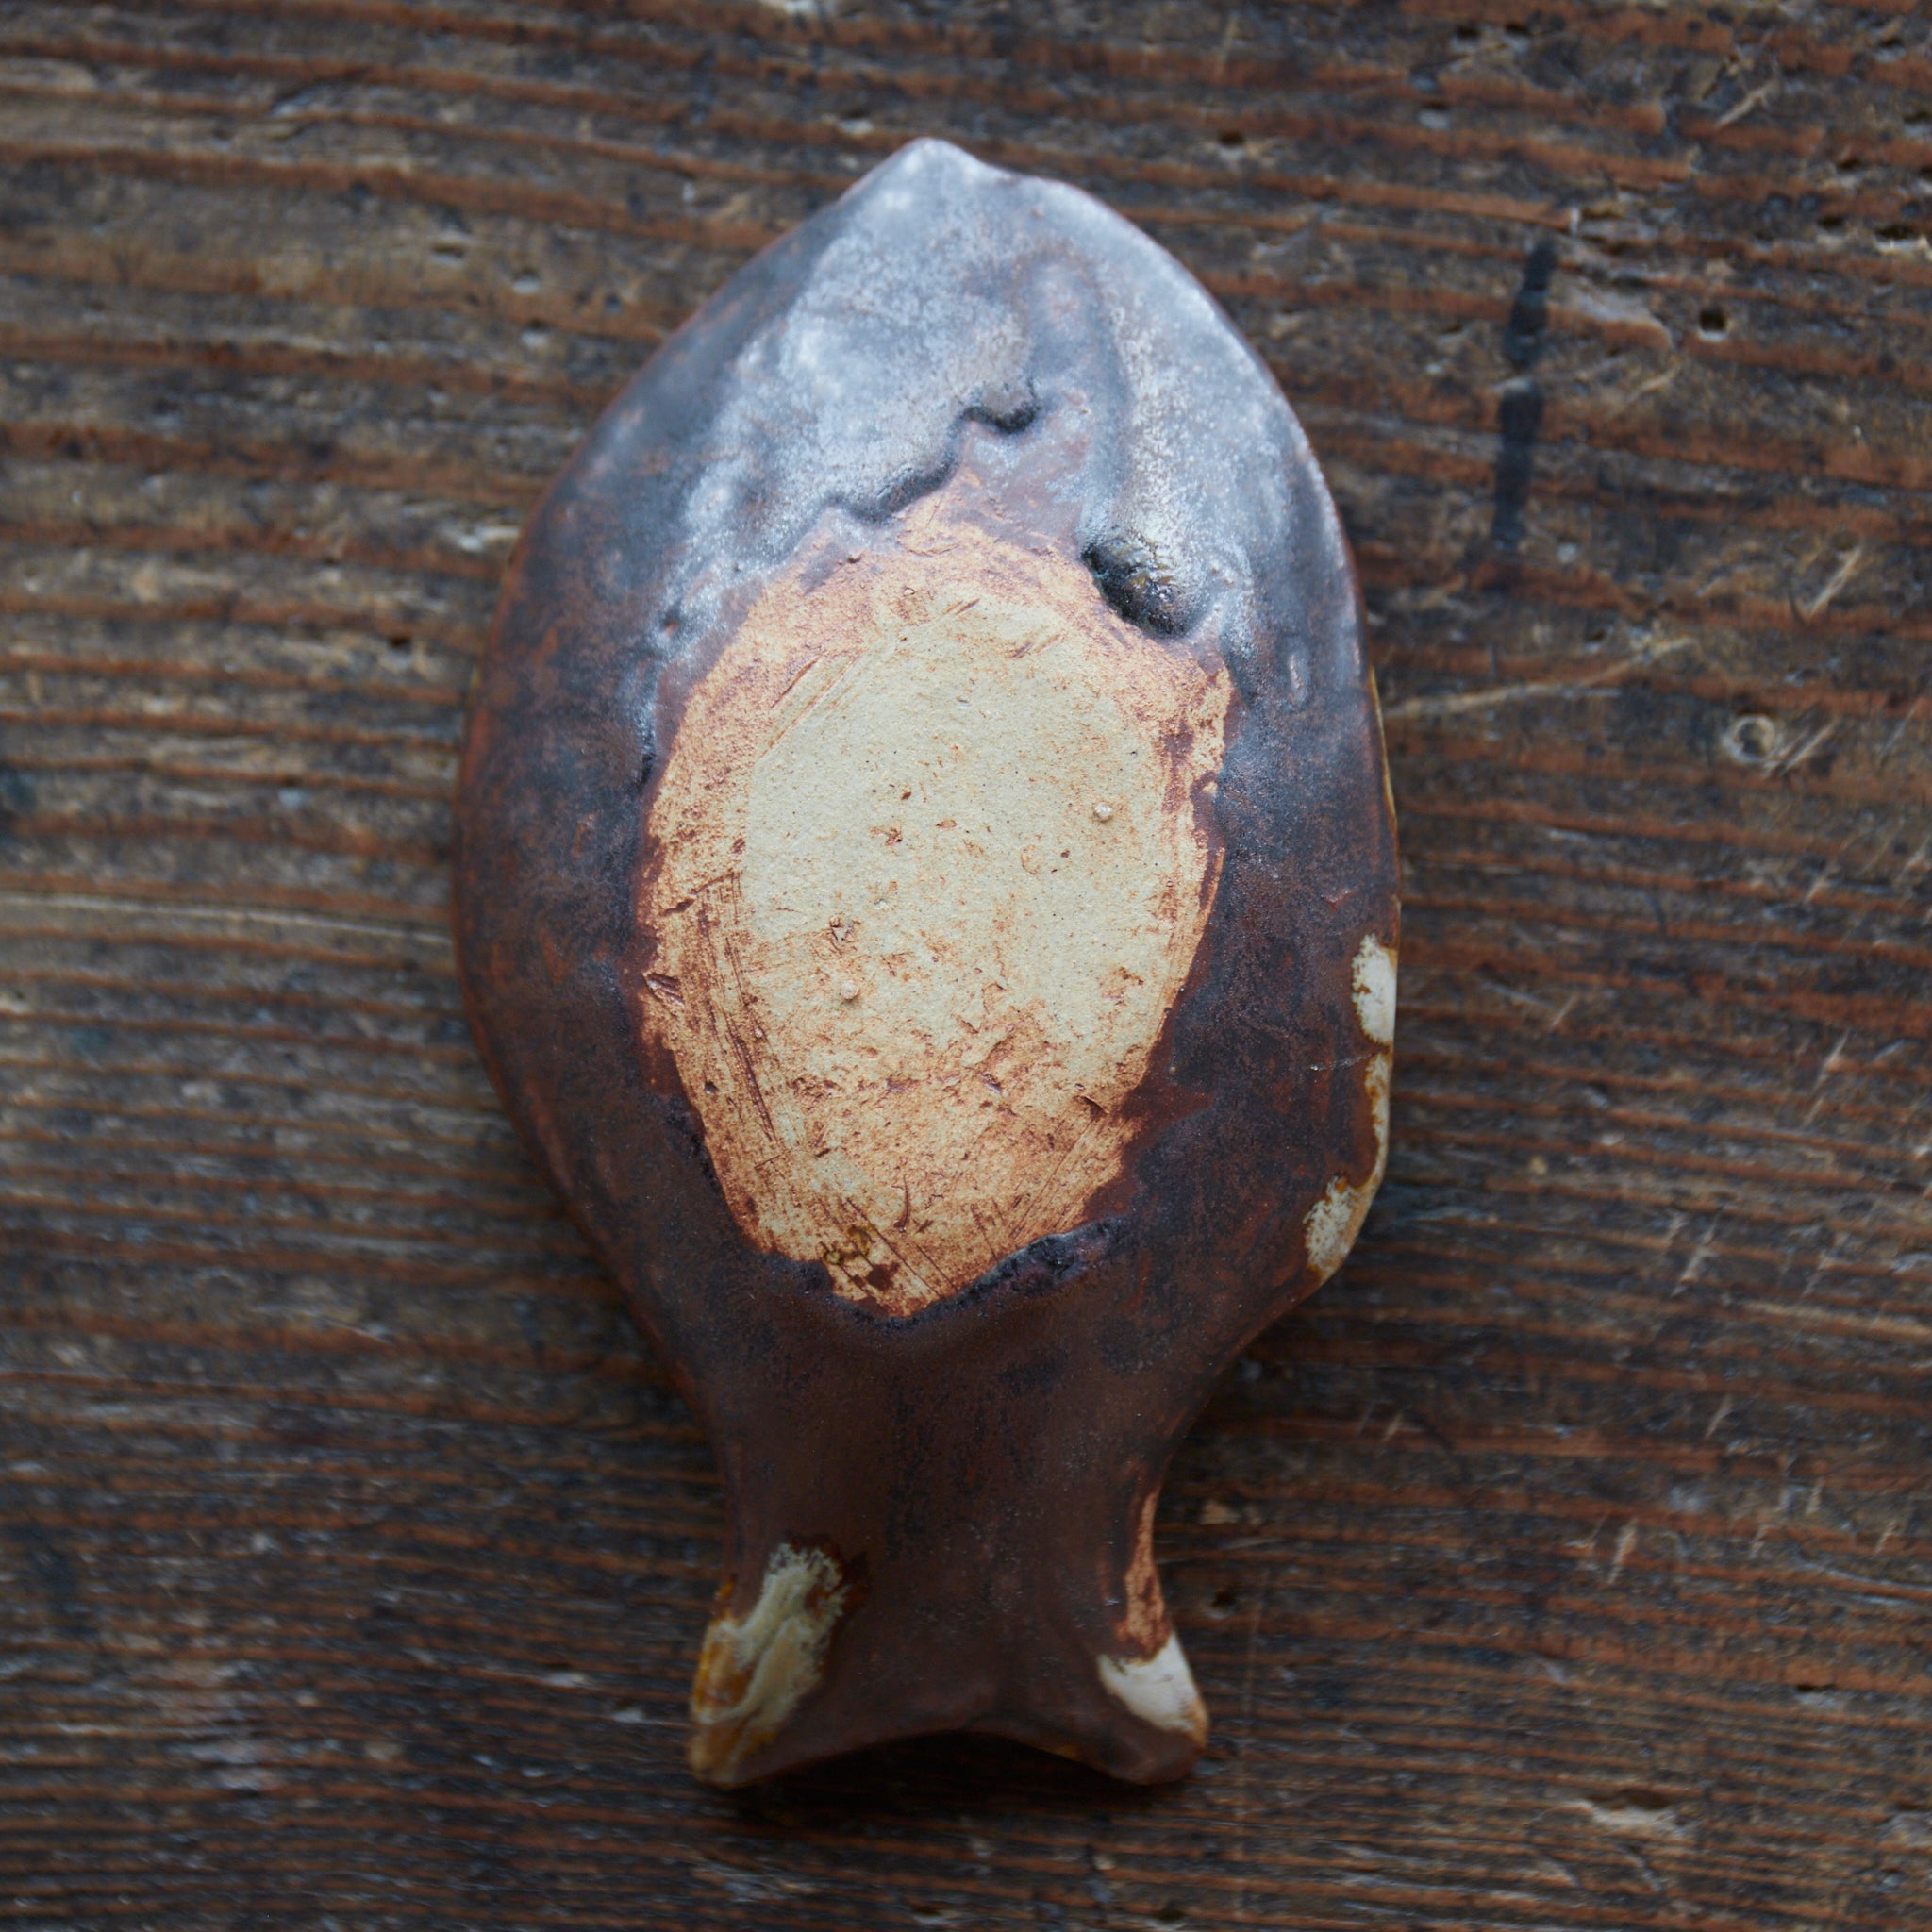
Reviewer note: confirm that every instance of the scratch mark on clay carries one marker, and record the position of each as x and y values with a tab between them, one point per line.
811	663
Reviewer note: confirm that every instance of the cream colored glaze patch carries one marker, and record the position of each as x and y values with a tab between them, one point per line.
1374	989
756	1670
1158	1689
931	869
1333	1222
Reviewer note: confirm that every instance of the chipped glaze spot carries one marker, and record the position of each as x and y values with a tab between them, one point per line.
1333	1222
1158	1689
1374	989
930	870
754	1670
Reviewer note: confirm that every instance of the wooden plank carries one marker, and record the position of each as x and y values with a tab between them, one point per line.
1565	1564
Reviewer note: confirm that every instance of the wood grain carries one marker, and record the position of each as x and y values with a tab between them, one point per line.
1566	1563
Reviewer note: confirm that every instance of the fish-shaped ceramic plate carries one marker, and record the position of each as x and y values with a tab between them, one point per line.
926	892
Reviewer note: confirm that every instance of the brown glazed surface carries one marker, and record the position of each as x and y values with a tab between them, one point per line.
941	1431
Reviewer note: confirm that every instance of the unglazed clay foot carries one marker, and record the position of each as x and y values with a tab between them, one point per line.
925	890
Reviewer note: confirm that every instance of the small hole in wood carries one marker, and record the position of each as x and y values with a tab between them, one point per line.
1753	738
1713	323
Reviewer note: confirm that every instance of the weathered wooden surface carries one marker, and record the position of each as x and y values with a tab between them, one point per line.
1565	1564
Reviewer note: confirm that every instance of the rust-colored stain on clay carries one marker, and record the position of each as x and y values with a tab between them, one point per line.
1151	1677
1144	1625
929	863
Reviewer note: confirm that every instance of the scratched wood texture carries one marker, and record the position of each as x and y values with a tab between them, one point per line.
1565	1564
